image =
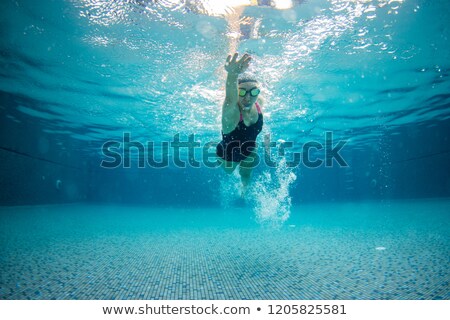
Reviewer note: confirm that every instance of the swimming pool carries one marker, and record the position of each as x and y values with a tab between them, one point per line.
166	223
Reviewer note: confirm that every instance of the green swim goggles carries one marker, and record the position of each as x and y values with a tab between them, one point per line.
253	92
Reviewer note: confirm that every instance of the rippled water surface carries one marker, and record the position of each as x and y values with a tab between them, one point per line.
91	69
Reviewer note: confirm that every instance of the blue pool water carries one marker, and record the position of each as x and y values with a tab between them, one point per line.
76	74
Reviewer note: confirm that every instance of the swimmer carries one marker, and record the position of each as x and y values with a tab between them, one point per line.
242	120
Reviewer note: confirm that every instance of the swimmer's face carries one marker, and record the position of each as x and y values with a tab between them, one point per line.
249	98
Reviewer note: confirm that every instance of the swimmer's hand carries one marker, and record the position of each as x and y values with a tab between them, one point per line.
239	66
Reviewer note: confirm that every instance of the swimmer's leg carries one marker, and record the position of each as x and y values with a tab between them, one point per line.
245	170
228	166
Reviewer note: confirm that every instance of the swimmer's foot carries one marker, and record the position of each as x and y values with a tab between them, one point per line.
243	192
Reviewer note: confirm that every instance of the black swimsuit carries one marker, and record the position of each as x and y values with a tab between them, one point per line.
239	143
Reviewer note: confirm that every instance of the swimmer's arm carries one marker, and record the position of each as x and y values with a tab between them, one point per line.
230	110
234	67
231	89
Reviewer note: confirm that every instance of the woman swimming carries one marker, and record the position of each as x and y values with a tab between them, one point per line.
242	120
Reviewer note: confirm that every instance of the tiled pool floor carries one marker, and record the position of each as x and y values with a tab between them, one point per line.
334	251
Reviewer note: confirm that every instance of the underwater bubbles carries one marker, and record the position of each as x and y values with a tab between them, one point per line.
271	195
